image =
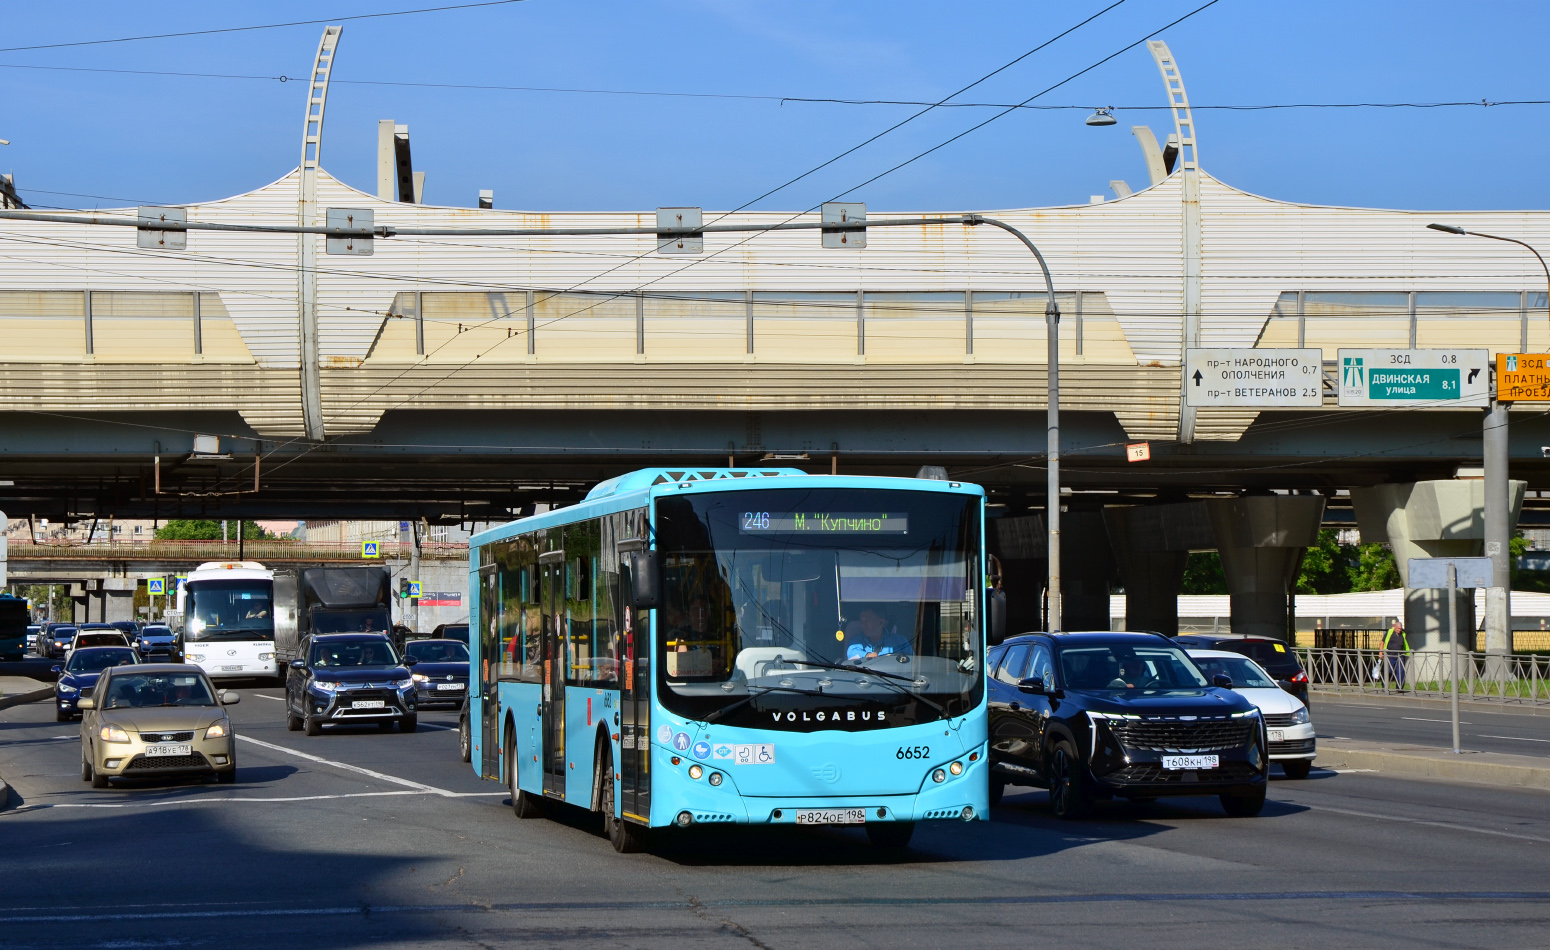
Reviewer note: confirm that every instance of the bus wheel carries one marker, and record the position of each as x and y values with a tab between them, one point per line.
890	834
525	805
626	838
465	740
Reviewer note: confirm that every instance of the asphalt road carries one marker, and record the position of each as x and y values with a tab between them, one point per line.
385	839
1481	728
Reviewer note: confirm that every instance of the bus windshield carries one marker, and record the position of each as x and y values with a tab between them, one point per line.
819	608
230	610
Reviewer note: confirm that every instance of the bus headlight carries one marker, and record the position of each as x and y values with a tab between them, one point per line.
695	772
939	776
715	778
956	768
266	656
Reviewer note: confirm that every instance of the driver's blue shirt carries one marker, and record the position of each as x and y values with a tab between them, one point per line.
888	643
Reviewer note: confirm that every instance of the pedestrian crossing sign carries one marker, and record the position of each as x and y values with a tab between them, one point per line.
369	549
156	585
414	588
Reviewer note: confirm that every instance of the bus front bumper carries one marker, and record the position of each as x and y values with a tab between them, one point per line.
961	796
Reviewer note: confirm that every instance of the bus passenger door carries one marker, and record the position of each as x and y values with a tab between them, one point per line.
551	573
489	708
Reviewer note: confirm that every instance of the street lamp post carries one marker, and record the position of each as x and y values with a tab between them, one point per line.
1052	417
1498	532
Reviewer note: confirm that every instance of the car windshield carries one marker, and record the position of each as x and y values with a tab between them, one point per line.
156	630
98	659
134	690
1244	672
456	631
63	633
787	600
230	610
1117	667
368	620
437	651
363	652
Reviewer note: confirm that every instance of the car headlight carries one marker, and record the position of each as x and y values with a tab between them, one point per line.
1300	716
216	731
68	690
419	677
405	683
112	734
326	686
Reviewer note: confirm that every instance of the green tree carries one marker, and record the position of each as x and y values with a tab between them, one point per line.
199	530
1374	568
1203	574
1326	566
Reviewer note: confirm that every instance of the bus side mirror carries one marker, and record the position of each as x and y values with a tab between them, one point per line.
643	579
996	603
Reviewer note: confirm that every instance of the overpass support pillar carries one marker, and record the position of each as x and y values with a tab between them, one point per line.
80	597
1443	518
1261	539
1151	545
118	598
1086	570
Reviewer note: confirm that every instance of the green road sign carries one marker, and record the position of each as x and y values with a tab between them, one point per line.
1445	378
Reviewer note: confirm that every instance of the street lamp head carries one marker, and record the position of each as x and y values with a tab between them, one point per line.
1448	228
1102	117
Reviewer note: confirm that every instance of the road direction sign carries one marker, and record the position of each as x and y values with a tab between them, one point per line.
1523	377
1263	379
1447	378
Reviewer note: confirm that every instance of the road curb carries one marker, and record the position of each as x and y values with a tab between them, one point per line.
37	695
1487	768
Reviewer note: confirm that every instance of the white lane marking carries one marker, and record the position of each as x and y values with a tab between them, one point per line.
278	699
1419	719
352	768
1421	821
1517	738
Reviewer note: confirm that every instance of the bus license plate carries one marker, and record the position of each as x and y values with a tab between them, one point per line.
155	751
831	816
231	669
440	686
368	704
1191	761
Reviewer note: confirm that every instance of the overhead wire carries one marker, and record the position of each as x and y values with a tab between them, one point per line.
1485	103
261	26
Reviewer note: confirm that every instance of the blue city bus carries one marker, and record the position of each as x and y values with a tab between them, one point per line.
14	617
737	646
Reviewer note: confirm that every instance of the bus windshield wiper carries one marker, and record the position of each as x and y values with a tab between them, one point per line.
776	689
821	664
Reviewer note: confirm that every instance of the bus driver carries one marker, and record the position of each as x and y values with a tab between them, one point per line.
873	636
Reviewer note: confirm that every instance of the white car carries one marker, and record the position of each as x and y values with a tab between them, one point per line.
1286	718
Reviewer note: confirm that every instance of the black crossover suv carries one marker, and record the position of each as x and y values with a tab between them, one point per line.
346	678
1104	715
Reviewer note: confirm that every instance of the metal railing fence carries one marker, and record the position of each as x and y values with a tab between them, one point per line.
22	549
1516	678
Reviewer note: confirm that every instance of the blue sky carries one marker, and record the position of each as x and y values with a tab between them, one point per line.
180	139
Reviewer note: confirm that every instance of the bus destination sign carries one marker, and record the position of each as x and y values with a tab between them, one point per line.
817	522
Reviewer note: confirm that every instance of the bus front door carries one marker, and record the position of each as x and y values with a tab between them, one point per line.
552	600
489	704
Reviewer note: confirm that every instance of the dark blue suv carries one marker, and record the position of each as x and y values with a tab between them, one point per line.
1092	716
346	678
